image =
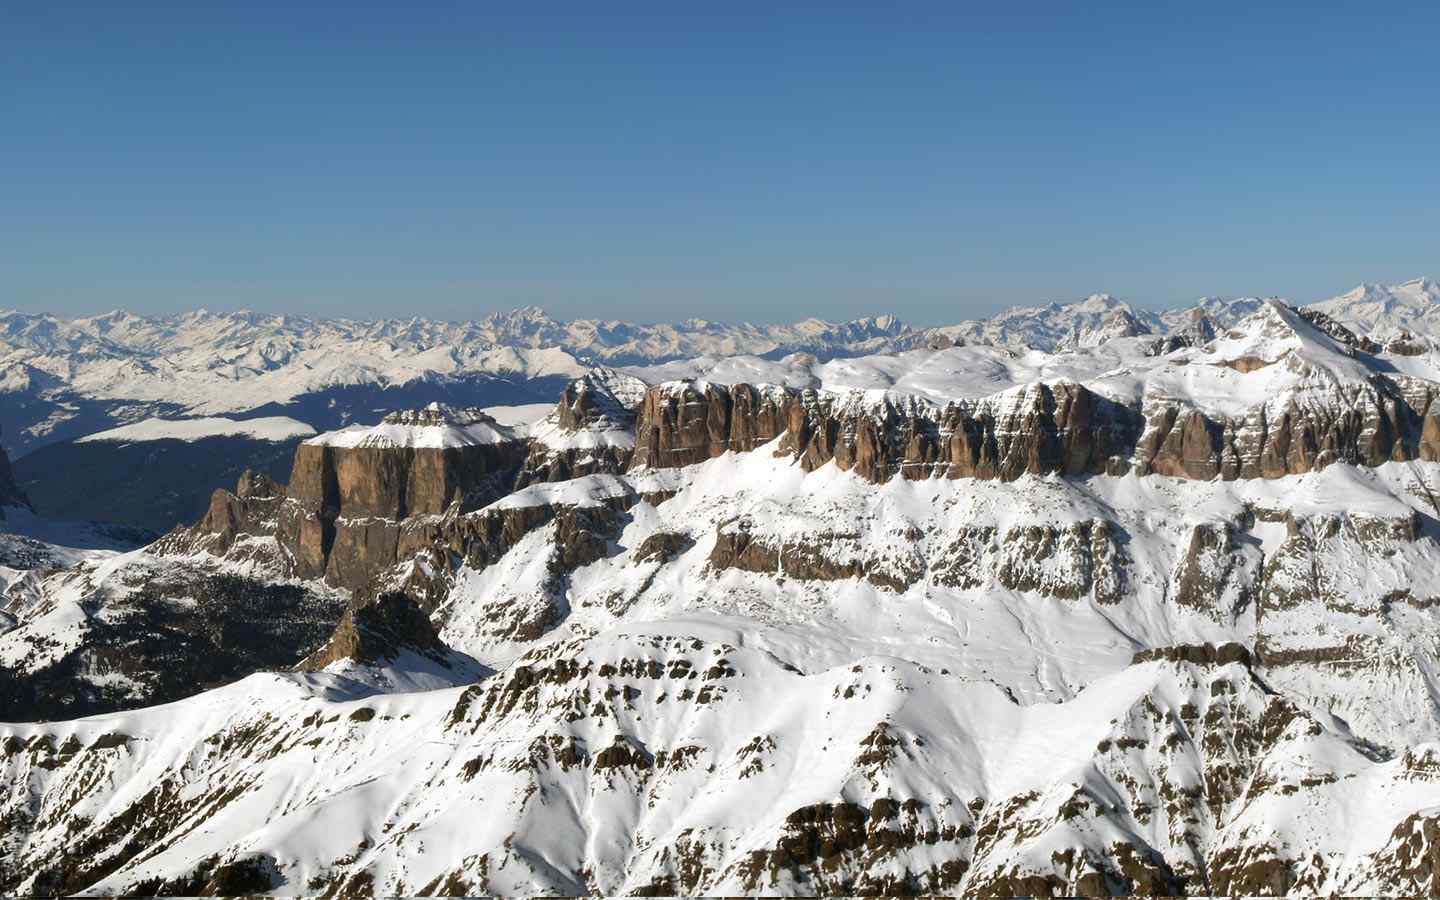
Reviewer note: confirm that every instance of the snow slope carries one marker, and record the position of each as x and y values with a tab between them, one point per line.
272	428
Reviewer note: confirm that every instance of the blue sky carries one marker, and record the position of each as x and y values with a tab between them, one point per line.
746	161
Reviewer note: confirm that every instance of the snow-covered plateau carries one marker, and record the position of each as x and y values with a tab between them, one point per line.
1151	609
271	428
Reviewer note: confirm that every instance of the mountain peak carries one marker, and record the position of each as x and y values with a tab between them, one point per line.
438	413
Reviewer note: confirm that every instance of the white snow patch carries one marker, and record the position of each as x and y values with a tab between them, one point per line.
271	428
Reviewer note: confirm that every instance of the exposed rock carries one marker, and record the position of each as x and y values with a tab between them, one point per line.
378	632
1039	429
1337	331
663	546
683	424
396	482
592	429
1198	654
185	628
1217	574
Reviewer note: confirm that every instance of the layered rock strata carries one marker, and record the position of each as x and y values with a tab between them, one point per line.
1041	429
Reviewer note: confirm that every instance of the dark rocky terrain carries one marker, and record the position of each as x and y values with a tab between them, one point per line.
155	485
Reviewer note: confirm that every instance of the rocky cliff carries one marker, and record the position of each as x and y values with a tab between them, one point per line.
1061	428
1332	401
350	491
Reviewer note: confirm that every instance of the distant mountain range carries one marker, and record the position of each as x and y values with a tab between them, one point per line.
111	377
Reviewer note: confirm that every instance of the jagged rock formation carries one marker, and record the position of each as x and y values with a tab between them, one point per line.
377	633
591	431
362	500
1064	429
1061	428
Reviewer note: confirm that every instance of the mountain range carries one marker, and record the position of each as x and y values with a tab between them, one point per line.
1078	600
90	404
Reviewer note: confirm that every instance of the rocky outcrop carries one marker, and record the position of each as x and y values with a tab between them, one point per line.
244	524
1334	329
1197	654
397	482
341	517
1361	425
685	423
251	509
379	632
1083	559
1217	574
592	429
820	556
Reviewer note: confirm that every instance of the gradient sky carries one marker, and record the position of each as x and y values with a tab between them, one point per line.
747	161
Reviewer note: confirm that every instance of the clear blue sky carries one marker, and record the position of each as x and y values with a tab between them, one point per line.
652	161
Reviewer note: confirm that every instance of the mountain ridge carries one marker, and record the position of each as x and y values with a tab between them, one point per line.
1146	613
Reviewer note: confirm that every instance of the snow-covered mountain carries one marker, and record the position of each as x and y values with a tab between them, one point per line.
1412	306
1137	615
66	378
71	377
1084	324
181	402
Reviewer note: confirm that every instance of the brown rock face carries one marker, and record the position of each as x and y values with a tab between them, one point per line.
251	509
683	425
345	514
255	509
1062	428
1429	449
377	632
1041	429
397	482
601	403
349	502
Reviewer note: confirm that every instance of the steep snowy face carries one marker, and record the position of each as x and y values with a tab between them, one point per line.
1057	327
686	757
1412	306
